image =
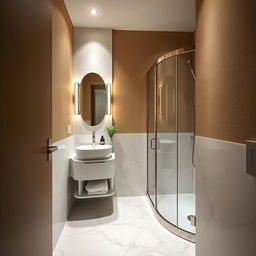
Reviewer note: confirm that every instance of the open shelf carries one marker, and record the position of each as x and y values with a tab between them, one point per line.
84	195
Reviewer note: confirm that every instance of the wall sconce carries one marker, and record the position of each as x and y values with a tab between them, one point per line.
109	98
160	100
76	103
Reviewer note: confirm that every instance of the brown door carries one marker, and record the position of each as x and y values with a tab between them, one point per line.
25	112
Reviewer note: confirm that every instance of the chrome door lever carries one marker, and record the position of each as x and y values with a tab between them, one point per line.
50	150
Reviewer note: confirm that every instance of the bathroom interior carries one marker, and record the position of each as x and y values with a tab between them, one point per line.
138	132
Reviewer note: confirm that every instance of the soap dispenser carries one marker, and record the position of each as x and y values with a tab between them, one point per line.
102	140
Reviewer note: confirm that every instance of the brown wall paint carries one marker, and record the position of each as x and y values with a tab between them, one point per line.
26	123
226	69
62	59
134	52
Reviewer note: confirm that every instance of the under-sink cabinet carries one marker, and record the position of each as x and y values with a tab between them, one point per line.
97	169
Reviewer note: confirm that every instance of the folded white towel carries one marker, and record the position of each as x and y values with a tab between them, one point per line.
100	186
97	193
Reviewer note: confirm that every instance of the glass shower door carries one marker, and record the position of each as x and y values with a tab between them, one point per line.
170	140
166	123
151	133
186	130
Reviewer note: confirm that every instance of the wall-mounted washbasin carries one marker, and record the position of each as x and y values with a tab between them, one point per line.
87	152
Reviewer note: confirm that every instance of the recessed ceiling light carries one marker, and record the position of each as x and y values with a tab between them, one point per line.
93	11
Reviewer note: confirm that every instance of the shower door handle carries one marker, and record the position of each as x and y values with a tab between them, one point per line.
151	144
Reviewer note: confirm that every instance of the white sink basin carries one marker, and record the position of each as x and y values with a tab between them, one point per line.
87	152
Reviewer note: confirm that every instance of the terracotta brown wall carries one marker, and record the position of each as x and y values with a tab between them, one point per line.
134	52
226	69
62	54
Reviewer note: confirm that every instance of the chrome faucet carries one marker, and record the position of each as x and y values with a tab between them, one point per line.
93	139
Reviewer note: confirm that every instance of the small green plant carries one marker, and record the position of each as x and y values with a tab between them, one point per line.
111	130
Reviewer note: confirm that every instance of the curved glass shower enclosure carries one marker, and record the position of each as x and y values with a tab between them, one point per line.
170	141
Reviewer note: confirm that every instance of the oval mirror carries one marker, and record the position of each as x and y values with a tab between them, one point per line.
92	99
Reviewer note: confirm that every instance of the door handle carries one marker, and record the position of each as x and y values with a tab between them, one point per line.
156	143
50	150
151	143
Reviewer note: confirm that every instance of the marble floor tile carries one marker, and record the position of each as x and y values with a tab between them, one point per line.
130	229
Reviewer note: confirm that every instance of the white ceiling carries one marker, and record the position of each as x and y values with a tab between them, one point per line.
155	15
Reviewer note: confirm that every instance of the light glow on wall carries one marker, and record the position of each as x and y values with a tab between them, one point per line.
93	12
76	103
160	99
109	98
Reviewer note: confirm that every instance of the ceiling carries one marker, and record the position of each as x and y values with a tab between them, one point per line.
154	15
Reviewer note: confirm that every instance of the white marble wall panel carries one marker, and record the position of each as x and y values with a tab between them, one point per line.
131	168
92	53
62	192
226	200
83	132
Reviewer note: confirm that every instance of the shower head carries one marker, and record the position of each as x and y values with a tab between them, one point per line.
190	66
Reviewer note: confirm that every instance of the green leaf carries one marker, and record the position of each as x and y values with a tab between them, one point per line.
111	130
